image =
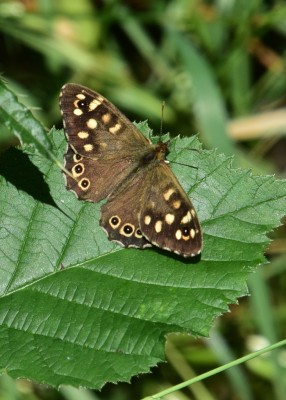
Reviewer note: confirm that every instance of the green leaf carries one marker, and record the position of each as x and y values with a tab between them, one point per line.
77	309
21	122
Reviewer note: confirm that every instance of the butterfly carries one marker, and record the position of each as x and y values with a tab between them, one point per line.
109	158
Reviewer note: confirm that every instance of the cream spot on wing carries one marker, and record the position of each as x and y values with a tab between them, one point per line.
77	157
80	96
77	170
176	204
167	248
193	212
91	123
83	135
192	233
94	104
88	147
186	237
84	183
169	218
115	128
158	226
138	233
114	221
168	193
187	218
147	245
127	230
77	111
103	145
147	219
178	234
106	118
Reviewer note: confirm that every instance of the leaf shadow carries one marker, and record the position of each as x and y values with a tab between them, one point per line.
17	169
185	260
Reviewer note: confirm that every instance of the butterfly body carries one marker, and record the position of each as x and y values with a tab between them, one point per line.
109	158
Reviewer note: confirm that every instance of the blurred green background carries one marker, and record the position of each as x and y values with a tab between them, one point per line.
220	67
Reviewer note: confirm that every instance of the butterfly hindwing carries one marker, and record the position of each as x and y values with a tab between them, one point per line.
120	215
168	219
92	179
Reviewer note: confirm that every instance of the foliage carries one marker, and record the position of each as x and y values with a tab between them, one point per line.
67	289
219	66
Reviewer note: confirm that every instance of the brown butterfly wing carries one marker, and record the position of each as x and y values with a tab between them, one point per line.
167	217
94	180
152	207
103	144
120	215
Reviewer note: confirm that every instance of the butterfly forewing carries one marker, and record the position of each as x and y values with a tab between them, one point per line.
108	157
102	143
94	127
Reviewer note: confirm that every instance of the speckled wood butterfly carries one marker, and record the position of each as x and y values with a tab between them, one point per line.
109	158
